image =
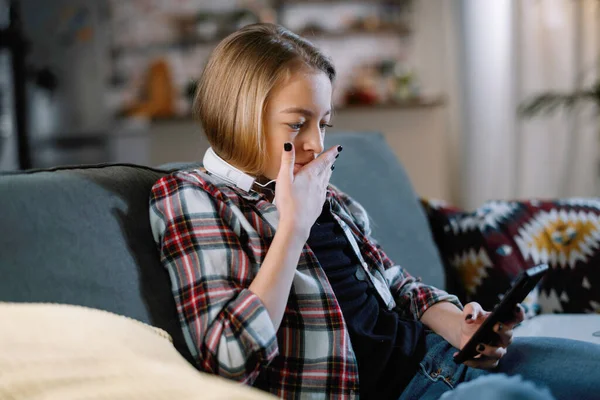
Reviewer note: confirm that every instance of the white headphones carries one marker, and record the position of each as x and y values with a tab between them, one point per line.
222	169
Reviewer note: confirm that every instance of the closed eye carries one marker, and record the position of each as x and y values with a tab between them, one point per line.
298	126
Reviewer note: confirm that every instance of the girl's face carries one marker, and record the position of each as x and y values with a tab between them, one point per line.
298	111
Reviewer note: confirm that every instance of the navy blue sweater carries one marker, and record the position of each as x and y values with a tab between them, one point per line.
387	347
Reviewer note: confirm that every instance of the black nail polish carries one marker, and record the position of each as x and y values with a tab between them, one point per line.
480	347
287	146
337	155
332	167
340	148
468	317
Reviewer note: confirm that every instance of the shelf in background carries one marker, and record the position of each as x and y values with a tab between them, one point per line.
415	103
400	31
303	2
183	45
187	44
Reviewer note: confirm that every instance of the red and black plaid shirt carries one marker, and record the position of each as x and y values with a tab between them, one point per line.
213	239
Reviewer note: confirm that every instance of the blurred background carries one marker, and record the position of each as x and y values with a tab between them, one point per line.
478	99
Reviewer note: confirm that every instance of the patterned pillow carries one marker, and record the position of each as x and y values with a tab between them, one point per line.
484	250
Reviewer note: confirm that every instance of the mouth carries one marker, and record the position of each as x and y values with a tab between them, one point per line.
298	167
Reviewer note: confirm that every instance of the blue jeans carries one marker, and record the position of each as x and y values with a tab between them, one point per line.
568	369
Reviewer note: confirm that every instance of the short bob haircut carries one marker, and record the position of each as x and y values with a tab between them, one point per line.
234	89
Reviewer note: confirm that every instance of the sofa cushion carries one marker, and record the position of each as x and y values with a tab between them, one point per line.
82	236
487	248
568	326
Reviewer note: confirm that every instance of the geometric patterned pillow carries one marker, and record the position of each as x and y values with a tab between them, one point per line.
484	250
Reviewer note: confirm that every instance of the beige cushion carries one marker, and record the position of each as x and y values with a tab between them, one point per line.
50	351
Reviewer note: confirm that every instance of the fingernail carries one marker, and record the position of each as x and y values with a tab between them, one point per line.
480	347
332	167
287	146
337	155
340	148
469	316
517	308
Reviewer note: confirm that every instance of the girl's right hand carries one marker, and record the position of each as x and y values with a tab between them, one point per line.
300	198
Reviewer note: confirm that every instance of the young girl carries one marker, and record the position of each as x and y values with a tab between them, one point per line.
285	289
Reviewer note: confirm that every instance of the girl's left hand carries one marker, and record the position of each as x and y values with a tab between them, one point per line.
489	354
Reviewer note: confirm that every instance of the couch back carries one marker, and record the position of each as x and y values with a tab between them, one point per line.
81	235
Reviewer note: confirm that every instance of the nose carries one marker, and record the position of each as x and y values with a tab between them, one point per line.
312	141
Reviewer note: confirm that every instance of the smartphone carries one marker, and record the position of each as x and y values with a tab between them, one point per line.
503	311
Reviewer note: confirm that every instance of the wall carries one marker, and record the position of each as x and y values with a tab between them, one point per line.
510	51
439	62
558	52
489	104
70	38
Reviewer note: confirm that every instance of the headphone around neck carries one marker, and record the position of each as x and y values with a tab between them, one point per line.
222	169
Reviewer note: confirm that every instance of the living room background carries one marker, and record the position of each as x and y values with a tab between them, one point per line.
459	70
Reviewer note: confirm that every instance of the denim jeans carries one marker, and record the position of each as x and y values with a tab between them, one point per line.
532	368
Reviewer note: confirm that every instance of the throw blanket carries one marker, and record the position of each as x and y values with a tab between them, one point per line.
51	351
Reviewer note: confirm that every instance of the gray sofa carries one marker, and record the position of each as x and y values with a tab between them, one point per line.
81	235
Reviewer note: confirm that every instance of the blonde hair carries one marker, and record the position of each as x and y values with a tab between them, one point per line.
234	89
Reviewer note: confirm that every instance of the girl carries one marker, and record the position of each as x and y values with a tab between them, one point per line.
285	289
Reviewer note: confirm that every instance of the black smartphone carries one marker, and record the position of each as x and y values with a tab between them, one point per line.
503	311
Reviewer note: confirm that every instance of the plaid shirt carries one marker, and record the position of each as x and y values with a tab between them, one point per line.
213	239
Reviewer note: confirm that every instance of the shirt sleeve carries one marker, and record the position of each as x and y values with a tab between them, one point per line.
412	296
227	327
